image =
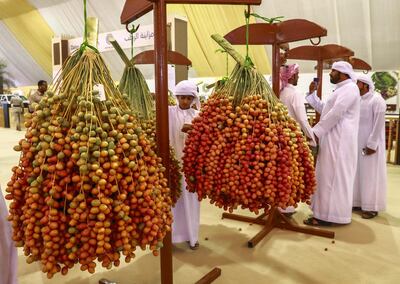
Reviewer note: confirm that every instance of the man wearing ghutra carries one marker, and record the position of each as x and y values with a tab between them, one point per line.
186	212
370	183
337	133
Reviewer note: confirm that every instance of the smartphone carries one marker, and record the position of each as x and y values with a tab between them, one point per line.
316	80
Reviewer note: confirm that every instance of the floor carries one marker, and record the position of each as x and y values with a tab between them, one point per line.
366	251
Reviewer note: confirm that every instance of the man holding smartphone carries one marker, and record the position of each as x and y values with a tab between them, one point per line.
370	184
336	133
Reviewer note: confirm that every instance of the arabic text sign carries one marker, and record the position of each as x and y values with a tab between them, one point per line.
143	37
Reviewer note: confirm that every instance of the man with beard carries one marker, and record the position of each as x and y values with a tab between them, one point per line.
336	133
370	184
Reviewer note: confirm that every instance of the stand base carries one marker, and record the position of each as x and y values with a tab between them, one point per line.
210	276
206	279
275	219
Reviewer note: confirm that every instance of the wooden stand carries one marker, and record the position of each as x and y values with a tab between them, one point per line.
275	219
276	34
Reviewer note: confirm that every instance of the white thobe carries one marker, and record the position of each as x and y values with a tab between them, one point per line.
186	212
294	102
370	183
9	256
336	167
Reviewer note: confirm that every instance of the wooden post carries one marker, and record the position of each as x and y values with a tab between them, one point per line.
161	47
275	68
397	149
389	147
320	75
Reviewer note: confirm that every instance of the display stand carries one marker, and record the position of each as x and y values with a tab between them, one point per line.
276	34
275	219
173	57
134	9
359	64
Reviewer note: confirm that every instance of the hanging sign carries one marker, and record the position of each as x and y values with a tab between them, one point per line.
143	37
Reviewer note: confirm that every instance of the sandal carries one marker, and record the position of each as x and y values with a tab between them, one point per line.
316	222
195	247
369	214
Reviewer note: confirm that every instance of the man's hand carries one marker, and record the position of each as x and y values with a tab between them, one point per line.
313	87
186	128
369	151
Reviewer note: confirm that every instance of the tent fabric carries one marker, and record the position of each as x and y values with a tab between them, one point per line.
21	66
370	28
202	48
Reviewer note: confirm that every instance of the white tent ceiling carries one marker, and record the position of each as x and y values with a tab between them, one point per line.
371	28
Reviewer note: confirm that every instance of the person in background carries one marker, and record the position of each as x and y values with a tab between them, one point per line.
370	183
9	255
17	106
336	133
186	212
37	96
294	101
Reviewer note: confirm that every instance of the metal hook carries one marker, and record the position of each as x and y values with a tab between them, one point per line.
247	13
313	43
127	28
365	71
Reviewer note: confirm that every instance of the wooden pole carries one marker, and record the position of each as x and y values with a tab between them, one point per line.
389	147
397	149
275	68
320	68
161	82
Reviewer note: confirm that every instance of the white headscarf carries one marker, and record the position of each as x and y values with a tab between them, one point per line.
345	68
367	80
188	88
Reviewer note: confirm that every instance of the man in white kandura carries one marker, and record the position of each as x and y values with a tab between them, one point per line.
292	98
186	212
9	256
370	184
294	101
337	133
